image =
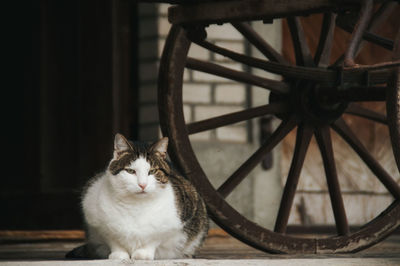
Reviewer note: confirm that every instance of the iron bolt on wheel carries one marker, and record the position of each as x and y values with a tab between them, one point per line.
312	96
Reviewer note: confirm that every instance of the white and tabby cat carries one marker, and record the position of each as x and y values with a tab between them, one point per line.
141	208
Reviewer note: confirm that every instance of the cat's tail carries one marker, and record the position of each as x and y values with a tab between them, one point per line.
88	252
81	252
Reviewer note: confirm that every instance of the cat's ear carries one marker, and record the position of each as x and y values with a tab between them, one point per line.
120	144
161	147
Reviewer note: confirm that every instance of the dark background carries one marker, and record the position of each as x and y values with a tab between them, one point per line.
69	86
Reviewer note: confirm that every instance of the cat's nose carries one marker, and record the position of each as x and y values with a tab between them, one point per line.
142	185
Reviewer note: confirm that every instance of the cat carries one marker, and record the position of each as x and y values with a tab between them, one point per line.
141	207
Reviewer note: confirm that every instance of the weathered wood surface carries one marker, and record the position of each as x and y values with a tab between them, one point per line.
224	11
218	246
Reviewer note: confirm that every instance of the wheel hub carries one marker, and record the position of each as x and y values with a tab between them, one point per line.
310	104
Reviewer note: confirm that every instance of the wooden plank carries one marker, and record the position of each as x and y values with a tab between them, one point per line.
39	235
20	235
220	12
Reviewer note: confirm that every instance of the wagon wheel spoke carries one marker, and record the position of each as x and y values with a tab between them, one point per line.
373	38
323	53
228	119
379	40
244	59
324	141
357	34
301	49
304	134
299	72
229	185
254	38
376	21
358	110
347	134
279	87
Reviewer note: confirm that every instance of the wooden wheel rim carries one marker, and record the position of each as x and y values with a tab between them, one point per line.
173	126
393	104
393	111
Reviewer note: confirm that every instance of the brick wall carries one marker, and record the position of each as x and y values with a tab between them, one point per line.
204	95
208	96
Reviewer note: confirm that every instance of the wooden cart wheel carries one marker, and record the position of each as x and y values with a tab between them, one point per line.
307	98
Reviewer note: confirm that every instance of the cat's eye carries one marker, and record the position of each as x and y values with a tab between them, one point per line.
130	171
152	172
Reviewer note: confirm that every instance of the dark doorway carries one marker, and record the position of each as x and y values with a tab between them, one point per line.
71	87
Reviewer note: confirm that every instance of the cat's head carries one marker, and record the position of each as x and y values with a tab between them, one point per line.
139	169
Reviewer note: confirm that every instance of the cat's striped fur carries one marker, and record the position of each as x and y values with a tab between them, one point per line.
161	213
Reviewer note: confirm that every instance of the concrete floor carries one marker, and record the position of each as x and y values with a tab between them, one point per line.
220	250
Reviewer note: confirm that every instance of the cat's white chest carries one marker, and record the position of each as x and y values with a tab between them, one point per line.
136	221
156	217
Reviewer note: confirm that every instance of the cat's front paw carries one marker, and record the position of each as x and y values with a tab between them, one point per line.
118	255
143	254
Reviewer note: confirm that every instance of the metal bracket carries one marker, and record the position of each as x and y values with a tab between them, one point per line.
265	133
366	78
